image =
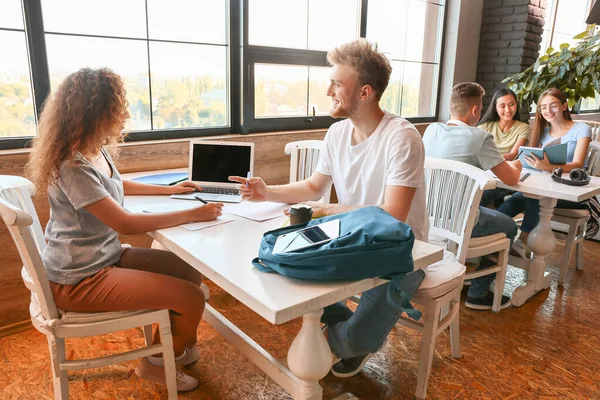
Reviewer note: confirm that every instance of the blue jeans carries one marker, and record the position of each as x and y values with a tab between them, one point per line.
364	331
494	196
489	222
518	203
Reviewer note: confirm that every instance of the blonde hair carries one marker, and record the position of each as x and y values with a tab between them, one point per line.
86	104
464	96
373	68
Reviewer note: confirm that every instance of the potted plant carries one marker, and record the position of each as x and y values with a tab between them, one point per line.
573	70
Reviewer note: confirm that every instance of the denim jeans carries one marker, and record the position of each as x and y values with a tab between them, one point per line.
364	331
489	222
518	203
494	196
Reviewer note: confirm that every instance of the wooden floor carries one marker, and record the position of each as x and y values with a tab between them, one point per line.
547	349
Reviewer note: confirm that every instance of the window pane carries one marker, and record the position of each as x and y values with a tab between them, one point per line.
188	20
16	104
11	15
128	58
271	23
419	88
424	28
280	90
321	34
390	101
189	85
386	25
317	89
107	17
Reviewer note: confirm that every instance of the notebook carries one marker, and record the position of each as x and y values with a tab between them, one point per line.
167	179
557	154
211	163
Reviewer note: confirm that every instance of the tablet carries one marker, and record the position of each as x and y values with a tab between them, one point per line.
315	235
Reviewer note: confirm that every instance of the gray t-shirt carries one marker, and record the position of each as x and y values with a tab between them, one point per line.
468	144
78	244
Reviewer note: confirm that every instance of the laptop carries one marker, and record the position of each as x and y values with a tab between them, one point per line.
212	163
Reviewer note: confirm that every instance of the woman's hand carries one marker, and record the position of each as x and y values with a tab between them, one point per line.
184	187
535	162
207	212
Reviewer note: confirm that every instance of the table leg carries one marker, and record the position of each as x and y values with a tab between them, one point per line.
541	241
309	357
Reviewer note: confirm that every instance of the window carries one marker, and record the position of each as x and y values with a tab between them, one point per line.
208	67
565	19
17	116
410	32
160	52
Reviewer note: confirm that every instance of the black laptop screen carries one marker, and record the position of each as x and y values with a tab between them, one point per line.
215	163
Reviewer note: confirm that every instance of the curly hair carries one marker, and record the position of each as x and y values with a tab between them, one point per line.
76	118
373	67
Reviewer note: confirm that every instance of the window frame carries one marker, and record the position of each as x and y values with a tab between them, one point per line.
241	57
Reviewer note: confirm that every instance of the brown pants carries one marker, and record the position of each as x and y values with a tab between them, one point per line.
143	279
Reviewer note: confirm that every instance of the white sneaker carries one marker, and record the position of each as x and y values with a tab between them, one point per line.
146	370
188	357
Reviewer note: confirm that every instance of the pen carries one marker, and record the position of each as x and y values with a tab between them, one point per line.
197	197
519	154
248	177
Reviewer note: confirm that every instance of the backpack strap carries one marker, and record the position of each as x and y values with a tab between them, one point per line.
401	289
261	266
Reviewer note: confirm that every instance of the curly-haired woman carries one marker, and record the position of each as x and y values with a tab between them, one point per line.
88	269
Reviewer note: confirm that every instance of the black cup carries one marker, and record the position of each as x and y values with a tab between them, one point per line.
300	213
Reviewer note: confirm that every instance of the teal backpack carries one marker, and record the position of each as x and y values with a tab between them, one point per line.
372	244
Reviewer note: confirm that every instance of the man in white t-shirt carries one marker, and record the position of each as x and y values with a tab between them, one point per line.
372	158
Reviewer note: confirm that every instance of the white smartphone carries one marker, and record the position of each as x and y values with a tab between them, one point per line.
312	236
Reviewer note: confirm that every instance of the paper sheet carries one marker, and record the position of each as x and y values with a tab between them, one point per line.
256	211
170	207
196	226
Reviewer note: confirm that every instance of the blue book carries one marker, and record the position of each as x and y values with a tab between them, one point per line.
167	179
557	154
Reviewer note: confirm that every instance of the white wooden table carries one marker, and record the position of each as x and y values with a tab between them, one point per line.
539	185
223	254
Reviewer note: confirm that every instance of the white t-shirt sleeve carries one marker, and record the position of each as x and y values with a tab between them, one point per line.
325	159
406	159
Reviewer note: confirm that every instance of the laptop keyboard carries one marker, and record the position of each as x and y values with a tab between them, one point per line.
220	190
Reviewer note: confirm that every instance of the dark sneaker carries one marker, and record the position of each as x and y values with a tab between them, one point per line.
348	367
485	303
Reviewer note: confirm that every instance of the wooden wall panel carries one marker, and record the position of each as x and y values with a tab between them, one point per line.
271	163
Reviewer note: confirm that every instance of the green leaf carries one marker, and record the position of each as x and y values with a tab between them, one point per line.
550	50
564	46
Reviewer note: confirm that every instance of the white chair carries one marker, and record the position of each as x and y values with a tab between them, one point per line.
304	160
595	125
454	191
575	221
439	295
18	213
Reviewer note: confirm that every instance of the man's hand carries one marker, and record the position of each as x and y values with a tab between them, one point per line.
516	164
253	189
185	187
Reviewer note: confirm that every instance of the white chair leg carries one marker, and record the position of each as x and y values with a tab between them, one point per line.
148	334
166	339
59	378
564	265
579	250
455	331
500	279
430	324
